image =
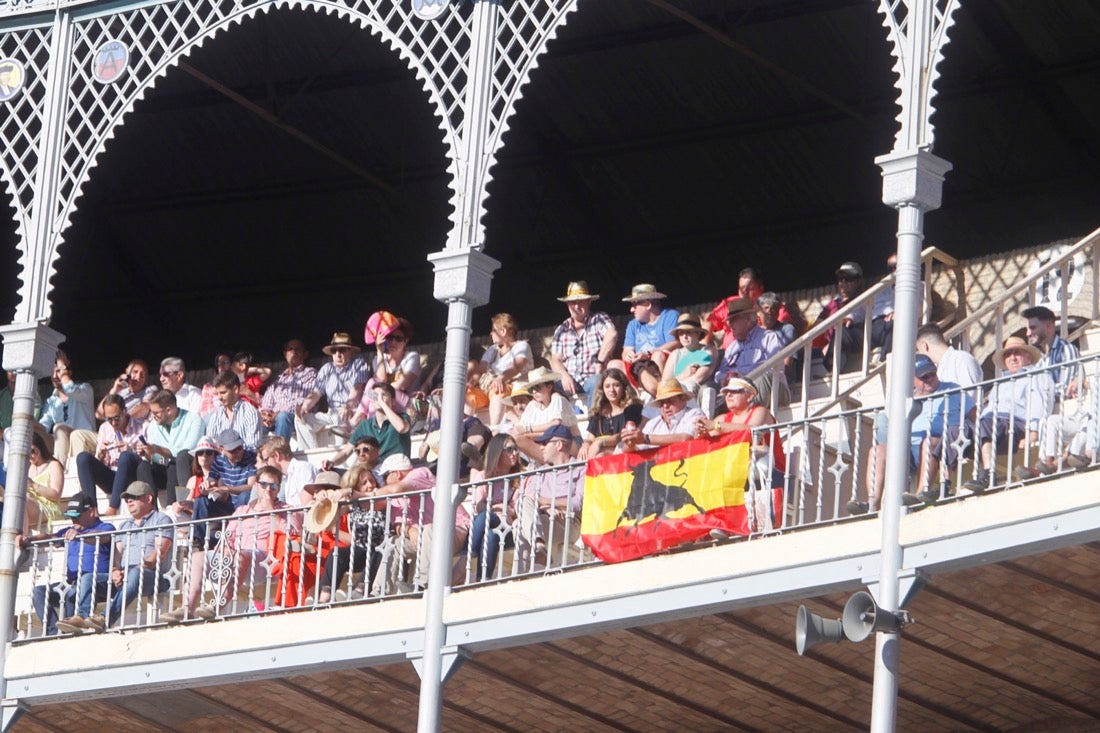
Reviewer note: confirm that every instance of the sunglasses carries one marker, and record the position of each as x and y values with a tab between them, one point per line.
511	449
169	374
113	420
268	484
847	278
206	453
364	449
736	391
395	337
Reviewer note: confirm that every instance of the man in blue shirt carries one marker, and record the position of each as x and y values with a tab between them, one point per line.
88	556
649	334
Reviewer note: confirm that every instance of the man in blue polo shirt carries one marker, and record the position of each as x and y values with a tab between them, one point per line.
89	556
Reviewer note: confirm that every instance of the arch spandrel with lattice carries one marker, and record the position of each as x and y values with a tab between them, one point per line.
159	35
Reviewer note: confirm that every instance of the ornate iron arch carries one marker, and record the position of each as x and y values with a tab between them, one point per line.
472	65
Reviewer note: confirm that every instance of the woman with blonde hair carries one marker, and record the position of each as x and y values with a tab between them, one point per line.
503	363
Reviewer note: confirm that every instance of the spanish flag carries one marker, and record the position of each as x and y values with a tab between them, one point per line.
636	504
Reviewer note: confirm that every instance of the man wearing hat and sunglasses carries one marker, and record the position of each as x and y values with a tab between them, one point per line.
1015	407
83	557
140	560
750	346
341	383
583	343
677	421
649	333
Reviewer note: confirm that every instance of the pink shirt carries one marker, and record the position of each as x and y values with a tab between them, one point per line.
109	436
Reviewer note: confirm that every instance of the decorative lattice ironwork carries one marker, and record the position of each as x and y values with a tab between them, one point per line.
159	36
918	50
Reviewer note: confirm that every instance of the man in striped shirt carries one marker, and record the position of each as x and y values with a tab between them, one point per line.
234	468
233	412
288	390
1042	334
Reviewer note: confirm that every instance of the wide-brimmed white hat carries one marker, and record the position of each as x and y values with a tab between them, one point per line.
322	513
541	375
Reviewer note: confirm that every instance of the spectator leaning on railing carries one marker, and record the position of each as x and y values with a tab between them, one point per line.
84	558
140	560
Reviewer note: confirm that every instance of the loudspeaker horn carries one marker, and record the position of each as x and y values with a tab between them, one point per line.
811	630
862	617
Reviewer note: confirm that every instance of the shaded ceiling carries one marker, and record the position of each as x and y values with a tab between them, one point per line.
645	149
1010	646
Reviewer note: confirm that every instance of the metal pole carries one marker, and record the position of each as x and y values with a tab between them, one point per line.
900	399
439	574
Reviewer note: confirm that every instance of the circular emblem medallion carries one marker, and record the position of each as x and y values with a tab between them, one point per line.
12	77
429	9
110	62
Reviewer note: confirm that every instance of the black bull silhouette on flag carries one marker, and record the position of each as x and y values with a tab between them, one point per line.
649	496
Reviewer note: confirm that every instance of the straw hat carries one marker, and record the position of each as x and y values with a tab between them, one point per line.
644	291
540	375
688	323
519	389
322	513
737	306
578	290
669	388
1015	343
340	340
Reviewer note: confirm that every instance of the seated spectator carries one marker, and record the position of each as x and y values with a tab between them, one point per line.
1069	435
765	486
281	400
750	348
234	468
173	377
302	553
945	416
69	412
394	364
222	364
170	435
646	378
411	517
248	542
341	383
649	333
360	536
840	344
490	499
113	466
583	343
251	377
768	307
515	404
208	501
1015	410
233	413
750	285
386	424
140	561
546	409
952	365
296	473
504	363
199	482
548	506
90	556
677	421
693	363
882	312
45	481
1042	333
134	389
616	406
933	435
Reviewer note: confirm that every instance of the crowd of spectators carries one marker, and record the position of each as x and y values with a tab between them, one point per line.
235	448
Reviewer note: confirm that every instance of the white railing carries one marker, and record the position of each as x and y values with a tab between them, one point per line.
801	350
527	524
